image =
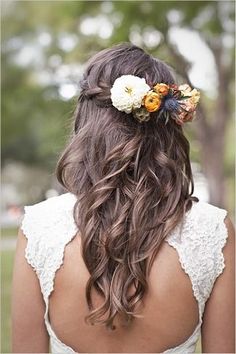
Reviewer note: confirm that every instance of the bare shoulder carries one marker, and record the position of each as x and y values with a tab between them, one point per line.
27	305
218	329
230	228
229	248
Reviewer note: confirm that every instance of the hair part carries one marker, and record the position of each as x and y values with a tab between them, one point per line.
133	182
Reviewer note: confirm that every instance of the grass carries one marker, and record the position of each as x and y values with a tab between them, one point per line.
9	232
7	258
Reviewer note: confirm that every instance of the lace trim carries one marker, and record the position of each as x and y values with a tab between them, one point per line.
200	249
55	341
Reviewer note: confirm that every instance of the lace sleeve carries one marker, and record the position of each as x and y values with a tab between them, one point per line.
48	227
212	234
32	229
200	246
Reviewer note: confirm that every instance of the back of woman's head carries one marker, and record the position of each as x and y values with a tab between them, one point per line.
133	182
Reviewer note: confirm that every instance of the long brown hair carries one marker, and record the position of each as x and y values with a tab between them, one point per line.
133	182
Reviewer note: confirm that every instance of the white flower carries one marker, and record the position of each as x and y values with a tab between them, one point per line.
128	92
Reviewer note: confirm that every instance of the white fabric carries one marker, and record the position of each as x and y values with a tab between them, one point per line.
49	226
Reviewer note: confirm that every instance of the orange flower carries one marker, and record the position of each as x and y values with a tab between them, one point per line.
152	101
184	117
162	89
187	105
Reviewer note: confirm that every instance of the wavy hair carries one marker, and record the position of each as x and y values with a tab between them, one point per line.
133	183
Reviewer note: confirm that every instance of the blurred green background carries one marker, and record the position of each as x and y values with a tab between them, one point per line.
45	45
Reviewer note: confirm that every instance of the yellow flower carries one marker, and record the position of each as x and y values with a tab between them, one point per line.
195	97
162	89
152	101
185	89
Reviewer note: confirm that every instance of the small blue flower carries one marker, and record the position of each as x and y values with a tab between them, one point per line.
171	104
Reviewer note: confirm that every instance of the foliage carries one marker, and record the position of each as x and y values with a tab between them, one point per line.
9	232
36	118
6	278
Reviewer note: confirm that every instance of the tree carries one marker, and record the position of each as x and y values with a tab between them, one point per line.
217	32
71	31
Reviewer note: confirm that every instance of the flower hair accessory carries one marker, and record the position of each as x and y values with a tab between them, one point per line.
131	94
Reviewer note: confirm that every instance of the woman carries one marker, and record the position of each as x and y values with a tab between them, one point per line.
128	260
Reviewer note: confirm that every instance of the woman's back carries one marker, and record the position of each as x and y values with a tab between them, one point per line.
180	281
170	310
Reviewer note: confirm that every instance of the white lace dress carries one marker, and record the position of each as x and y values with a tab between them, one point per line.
49	226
